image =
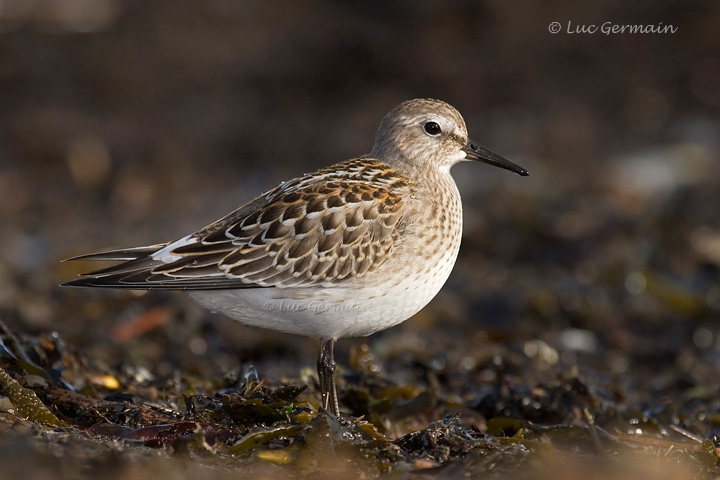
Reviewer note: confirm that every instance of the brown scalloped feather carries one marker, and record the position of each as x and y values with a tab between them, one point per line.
307	229
320	228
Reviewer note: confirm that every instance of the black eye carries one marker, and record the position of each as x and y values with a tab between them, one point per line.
432	128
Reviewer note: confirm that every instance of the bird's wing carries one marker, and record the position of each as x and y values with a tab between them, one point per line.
318	229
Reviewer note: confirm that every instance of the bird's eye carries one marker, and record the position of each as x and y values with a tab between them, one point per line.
432	128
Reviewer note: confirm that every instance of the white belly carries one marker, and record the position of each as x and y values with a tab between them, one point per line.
332	312
394	292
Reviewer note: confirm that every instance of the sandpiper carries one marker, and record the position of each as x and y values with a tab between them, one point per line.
344	251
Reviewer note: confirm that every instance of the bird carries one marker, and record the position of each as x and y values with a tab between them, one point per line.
344	251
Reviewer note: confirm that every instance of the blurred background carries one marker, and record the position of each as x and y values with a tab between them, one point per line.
130	122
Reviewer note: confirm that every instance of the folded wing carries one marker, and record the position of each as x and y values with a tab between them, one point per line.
318	229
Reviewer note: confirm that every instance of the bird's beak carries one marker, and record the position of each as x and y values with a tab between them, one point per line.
482	154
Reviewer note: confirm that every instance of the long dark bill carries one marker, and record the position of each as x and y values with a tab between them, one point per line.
482	154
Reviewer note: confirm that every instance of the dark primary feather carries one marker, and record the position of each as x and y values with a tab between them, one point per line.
120	254
321	228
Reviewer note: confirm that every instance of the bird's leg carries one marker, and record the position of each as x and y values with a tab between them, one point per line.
326	375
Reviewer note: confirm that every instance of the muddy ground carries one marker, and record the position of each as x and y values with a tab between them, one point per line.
578	335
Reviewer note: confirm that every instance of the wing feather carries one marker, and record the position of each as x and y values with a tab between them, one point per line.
318	229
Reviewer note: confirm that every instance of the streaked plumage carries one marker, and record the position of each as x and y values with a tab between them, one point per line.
318	229
344	251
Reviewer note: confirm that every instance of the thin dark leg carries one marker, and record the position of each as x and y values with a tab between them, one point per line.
326	375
